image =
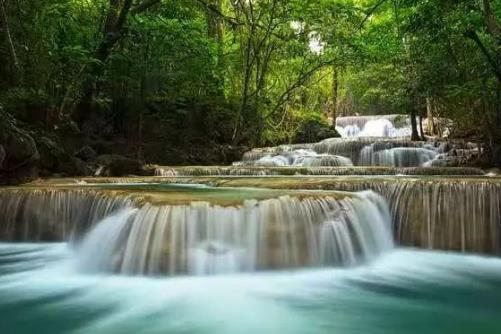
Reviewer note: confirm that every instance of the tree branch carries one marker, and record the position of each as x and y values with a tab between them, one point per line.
145	5
297	84
371	12
472	34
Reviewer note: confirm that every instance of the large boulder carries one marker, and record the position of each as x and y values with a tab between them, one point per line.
86	153
19	157
314	130
73	166
118	165
51	155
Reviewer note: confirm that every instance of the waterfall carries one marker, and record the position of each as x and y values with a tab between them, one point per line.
437	212
202	239
398	156
374	126
444	213
366	141
166	171
343	152
52	214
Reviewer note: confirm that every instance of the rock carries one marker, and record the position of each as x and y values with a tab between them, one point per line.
73	166
313	131
19	154
86	153
493	172
20	147
444	147
117	165
51	154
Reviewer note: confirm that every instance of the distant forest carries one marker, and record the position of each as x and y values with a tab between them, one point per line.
198	81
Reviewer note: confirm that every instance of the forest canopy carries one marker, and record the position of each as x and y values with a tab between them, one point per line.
162	77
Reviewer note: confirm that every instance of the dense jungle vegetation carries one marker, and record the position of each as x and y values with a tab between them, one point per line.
197	81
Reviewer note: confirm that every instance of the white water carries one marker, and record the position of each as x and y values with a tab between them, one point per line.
374	126
302	158
202	239
366	141
404	291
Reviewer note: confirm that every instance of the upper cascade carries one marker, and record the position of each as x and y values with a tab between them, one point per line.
362	151
386	126
366	141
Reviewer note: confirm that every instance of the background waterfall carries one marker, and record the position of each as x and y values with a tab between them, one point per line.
203	239
349	152
374	126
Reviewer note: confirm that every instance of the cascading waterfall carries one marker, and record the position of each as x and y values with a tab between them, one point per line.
366	141
50	214
436	213
398	156
341	152
374	126
203	239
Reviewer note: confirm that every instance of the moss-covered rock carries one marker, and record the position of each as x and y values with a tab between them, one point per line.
314	130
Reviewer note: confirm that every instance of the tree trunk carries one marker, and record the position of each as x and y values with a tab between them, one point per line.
491	21
431	119
421	127
215	24
415	134
112	32
335	94
5	30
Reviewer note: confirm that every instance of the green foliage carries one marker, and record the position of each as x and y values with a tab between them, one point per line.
253	72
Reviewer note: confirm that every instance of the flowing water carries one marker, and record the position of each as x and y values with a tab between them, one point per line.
404	291
366	141
201	238
328	253
374	126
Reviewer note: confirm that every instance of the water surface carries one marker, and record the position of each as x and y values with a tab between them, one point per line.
405	291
